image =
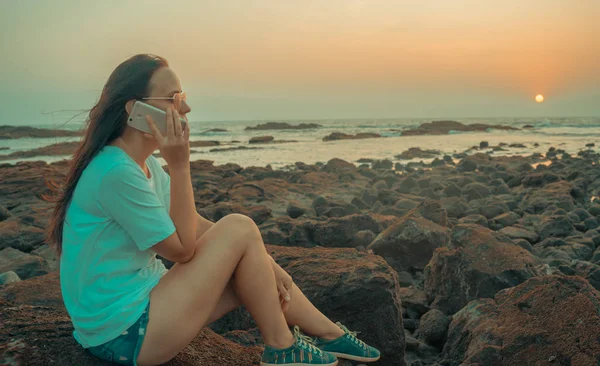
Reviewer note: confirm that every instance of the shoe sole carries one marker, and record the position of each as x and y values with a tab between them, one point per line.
354	358
298	364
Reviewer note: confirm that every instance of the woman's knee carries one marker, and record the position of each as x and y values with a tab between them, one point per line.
242	228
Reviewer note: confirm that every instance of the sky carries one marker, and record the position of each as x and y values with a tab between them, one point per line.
309	59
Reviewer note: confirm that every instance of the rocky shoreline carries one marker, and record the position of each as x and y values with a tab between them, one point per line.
467	260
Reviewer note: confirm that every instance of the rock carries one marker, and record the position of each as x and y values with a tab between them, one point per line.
17	132
475	190
591	223
62	148
594	210
455	206
516	232
50	342
204	143
555	226
364	238
283	126
295	210
524	244
406	280
433	328
382	164
466	166
50	255
342	136
234	148
556	194
506	219
474	219
444	127
4	213
483	144
261	139
9	277
527	324
417	153
346	285
410	241
23	264
338	165
414	302
477	263
332	232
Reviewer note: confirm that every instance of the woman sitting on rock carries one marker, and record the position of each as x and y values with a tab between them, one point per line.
118	209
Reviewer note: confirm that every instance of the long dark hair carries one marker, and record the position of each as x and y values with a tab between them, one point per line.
107	121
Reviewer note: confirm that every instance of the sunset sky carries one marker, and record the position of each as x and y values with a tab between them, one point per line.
266	59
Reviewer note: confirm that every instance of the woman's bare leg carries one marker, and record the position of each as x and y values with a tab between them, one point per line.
301	312
183	300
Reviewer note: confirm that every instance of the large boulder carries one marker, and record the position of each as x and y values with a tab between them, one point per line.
356	288
476	263
36	330
546	320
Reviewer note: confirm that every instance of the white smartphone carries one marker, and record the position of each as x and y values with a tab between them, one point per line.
137	118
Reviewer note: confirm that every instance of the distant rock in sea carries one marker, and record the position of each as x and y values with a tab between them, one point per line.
267	140
283	126
204	143
444	127
62	148
343	136
17	132
416	152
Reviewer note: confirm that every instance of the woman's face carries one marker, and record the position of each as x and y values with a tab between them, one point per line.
164	83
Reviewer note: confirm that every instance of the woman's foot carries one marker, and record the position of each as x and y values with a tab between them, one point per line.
302	353
348	347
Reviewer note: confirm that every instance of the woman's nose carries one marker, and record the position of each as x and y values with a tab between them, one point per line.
185	108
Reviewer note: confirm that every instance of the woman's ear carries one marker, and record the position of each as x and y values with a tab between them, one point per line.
129	105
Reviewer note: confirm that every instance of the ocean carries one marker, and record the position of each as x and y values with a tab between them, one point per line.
569	134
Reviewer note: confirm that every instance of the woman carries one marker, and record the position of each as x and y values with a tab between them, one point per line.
118	209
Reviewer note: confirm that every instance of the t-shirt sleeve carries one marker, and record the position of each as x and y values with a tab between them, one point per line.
127	197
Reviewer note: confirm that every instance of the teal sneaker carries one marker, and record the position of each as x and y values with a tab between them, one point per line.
348	347
302	353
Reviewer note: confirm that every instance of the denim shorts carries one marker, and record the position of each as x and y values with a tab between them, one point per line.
125	348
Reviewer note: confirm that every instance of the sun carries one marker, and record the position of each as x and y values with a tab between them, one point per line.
539	98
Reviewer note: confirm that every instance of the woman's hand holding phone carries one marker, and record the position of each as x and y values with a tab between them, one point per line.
175	145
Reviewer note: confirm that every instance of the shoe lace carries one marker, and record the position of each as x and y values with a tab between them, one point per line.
352	335
306	342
